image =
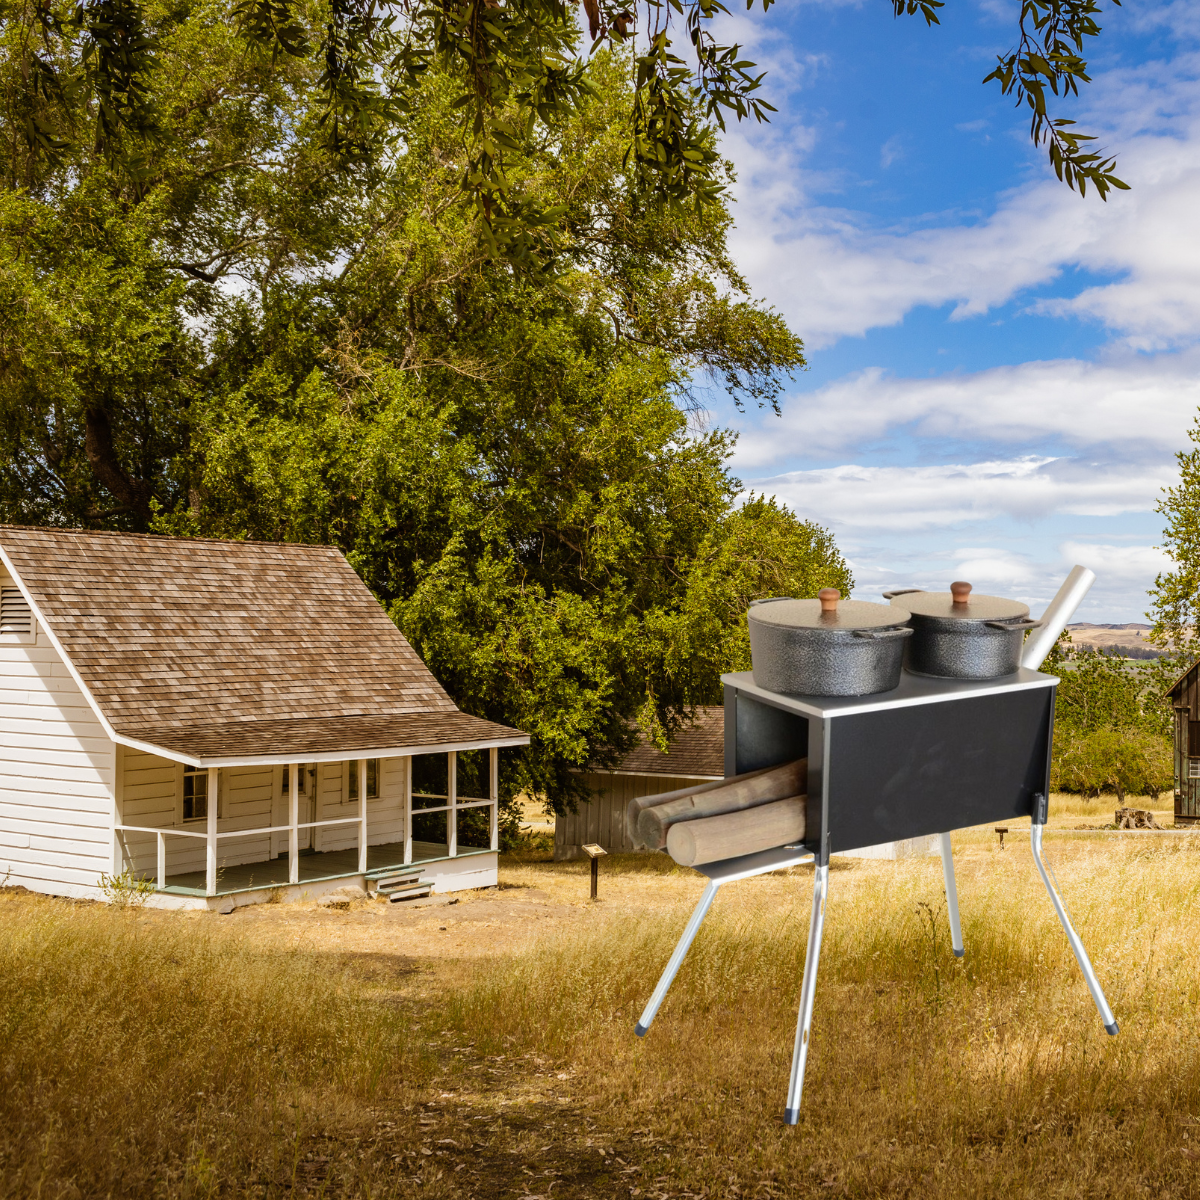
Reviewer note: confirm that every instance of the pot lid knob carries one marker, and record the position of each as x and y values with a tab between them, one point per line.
961	592
829	598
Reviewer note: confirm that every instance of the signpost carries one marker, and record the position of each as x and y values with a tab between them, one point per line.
594	852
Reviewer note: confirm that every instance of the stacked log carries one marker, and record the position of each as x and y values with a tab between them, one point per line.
763	827
724	819
638	803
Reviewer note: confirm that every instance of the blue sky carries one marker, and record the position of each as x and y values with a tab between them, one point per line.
1000	371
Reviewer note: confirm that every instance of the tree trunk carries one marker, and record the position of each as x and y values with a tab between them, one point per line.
131	495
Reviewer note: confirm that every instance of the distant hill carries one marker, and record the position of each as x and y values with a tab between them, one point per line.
1126	641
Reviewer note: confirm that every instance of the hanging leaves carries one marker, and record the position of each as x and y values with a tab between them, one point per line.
1049	58
521	75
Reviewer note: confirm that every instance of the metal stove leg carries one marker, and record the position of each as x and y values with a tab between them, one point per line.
673	964
951	894
816	927
1085	964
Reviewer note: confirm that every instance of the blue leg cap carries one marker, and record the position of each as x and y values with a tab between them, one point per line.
960	953
791	1116
1112	1029
641	1030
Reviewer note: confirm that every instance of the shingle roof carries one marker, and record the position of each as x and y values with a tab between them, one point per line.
316	736
696	750
225	645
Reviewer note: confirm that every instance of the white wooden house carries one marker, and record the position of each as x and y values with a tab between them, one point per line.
234	720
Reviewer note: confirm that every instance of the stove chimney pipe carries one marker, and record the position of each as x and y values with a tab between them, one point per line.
1059	611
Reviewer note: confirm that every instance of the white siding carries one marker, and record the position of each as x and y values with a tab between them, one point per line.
57	772
152	795
385	816
147	797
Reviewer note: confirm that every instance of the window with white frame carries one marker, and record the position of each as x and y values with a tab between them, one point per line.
372	779
1194	768
195	794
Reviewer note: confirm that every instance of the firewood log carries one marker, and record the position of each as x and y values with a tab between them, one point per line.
710	839
638	803
778	783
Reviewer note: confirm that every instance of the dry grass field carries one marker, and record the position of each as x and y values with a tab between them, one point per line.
485	1048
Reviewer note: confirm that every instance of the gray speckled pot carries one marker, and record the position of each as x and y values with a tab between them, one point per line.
952	649
826	662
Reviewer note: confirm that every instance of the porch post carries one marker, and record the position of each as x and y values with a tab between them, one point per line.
210	877
293	821
494	793
162	861
407	801
118	810
362	812
452	793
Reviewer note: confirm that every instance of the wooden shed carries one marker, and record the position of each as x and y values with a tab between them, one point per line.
1184	695
696	755
233	720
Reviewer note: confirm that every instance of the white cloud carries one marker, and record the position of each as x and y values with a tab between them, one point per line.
909	499
834	275
1118	564
1042	464
992	565
891	151
1119	593
1141	404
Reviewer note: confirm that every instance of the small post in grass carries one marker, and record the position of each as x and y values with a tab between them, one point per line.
1001	830
593	852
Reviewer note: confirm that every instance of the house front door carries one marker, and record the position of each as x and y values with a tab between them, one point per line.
306	809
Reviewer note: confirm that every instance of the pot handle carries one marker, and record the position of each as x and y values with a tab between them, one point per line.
769	600
901	592
884	635
1022	625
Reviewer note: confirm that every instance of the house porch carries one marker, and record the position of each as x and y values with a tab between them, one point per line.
291	830
319	867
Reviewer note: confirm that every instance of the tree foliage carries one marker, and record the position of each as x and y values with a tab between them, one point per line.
1175	597
1049	57
97	75
244	345
1112	725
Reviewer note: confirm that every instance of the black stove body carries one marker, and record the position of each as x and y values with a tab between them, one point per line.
931	756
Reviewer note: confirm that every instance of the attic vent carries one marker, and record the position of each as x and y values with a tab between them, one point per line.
15	616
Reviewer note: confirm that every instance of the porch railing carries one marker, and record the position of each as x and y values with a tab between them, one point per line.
211	836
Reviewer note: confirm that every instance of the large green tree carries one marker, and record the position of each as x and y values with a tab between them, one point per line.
92	72
243	343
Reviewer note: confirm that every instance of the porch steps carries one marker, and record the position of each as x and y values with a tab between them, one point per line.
403	885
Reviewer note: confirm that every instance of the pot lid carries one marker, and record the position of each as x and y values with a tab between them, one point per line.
828	611
960	603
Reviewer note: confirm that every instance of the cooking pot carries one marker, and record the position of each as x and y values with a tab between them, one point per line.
957	635
828	646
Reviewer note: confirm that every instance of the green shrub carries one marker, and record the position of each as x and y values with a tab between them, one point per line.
1111	760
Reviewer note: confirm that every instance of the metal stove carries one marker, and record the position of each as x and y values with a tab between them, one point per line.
929	757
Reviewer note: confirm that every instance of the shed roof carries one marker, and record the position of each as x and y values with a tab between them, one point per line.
696	751
1179	683
212	650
